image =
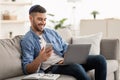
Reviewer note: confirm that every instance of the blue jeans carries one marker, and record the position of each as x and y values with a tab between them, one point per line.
78	71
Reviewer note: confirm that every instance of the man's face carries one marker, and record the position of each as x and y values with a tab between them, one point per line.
38	21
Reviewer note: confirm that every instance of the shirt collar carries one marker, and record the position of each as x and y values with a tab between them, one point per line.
34	34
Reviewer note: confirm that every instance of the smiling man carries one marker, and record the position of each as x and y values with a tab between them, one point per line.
36	58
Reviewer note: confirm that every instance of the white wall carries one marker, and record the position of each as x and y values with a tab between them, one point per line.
63	9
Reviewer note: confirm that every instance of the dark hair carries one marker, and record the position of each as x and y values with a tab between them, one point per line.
37	8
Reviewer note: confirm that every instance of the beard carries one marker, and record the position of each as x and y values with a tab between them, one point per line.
38	27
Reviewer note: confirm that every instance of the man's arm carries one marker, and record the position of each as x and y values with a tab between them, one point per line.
31	65
43	56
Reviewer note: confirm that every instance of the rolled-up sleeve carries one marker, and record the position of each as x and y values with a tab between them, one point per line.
27	54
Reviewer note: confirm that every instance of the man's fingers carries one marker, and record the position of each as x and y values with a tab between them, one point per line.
42	49
48	50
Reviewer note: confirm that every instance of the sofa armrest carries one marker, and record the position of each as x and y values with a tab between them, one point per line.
110	48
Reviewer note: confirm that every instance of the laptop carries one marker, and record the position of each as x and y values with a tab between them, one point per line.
77	53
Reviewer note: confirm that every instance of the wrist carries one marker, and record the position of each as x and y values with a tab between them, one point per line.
39	59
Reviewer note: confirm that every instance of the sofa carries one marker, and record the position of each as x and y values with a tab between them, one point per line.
10	59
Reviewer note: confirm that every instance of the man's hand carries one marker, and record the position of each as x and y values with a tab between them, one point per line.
45	53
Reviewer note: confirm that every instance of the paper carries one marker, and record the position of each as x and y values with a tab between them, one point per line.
41	76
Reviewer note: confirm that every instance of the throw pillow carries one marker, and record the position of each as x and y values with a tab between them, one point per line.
93	39
10	58
66	34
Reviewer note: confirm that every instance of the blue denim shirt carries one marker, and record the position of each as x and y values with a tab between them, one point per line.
30	45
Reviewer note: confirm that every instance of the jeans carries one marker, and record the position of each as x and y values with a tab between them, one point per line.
78	71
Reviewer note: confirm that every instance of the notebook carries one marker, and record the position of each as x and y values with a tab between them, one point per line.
41	76
77	53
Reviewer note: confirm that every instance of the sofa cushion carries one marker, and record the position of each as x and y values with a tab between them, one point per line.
66	34
112	66
10	58
111	76
93	39
62	77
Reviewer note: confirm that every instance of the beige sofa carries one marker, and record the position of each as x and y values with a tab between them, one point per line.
10	59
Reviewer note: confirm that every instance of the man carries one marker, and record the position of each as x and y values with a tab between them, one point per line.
36	58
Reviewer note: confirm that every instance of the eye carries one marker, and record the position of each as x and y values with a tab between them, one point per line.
45	19
40	19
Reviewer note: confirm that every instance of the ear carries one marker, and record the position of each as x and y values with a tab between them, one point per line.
30	17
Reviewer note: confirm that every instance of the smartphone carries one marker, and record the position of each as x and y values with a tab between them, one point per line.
48	45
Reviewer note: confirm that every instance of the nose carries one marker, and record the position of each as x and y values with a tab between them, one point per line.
43	22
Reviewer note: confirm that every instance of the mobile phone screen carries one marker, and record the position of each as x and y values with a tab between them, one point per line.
48	45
